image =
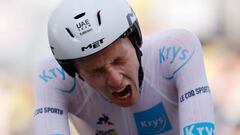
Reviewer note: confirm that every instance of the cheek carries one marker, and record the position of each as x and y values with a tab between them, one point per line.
134	66
132	70
96	83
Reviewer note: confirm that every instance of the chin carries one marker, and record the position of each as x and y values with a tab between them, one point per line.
126	105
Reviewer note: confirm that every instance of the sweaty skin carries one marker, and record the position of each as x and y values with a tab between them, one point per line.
112	70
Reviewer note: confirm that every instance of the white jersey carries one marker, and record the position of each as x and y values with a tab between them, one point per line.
175	98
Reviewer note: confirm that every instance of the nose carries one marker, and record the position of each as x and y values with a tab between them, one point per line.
114	78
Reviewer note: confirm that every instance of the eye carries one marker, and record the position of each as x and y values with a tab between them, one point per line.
119	61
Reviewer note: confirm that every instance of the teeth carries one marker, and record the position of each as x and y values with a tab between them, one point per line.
118	91
123	93
126	96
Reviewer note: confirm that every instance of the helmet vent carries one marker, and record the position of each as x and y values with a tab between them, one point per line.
70	33
79	15
99	18
52	48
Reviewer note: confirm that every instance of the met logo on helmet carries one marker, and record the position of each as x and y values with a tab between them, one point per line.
93	45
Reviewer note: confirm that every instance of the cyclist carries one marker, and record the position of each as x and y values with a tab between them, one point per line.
103	76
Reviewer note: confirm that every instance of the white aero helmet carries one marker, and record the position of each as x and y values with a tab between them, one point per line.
79	28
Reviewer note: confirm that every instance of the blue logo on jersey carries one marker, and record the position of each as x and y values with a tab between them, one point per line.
53	73
152	121
204	128
170	55
71	89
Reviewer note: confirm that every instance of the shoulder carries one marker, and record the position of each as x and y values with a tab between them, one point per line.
171	50
50	77
54	86
180	37
49	71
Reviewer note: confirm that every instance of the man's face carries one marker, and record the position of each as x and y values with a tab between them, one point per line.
113	72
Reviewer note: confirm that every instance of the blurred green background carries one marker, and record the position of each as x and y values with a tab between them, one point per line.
23	43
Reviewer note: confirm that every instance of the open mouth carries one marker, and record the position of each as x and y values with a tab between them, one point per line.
124	93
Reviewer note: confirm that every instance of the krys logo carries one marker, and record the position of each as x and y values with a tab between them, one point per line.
48	75
174	55
152	121
204	128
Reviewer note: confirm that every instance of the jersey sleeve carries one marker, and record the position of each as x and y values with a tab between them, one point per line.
186	69
51	112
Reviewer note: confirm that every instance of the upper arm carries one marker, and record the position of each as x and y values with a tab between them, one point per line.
180	72
51	110
194	97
